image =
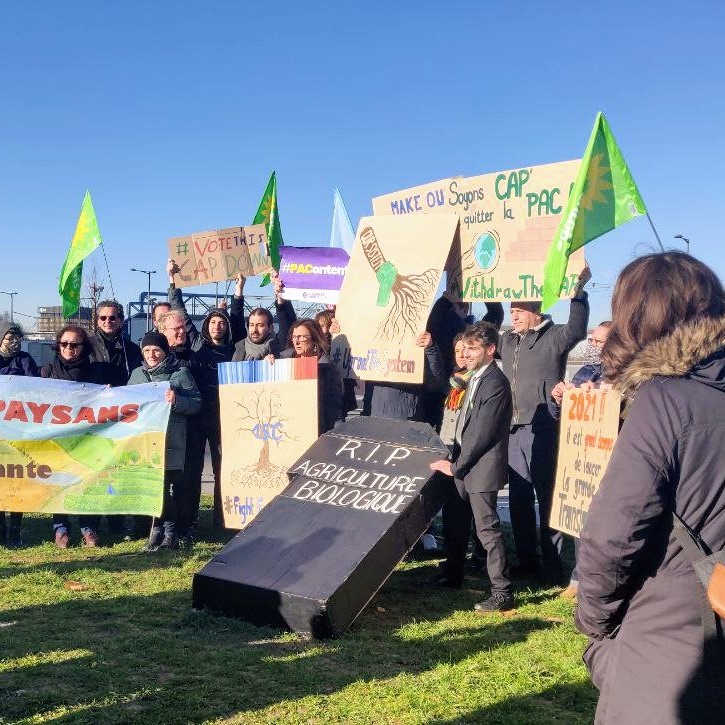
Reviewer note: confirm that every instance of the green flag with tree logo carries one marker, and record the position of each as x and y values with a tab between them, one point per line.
268	214
603	196
85	240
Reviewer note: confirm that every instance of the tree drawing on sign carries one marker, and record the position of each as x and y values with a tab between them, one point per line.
411	292
262	417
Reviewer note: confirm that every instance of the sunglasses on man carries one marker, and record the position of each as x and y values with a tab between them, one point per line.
72	345
111	318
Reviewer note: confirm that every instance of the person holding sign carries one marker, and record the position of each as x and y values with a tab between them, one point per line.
185	400
588	374
478	465
259	340
72	363
306	340
534	357
656	650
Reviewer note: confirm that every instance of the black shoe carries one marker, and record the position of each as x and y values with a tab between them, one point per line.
497	602
155	538
169	543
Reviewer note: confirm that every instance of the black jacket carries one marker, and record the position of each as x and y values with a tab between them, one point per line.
409	402
535	362
638	597
115	359
481	460
204	364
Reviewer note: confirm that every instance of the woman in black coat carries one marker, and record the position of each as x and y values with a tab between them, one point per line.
655	652
72	363
306	339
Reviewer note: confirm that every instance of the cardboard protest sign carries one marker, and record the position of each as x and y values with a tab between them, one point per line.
388	292
268	419
313	274
589	429
508	220
78	448
358	501
221	254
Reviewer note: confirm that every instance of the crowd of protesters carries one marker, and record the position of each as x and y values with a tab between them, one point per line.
495	398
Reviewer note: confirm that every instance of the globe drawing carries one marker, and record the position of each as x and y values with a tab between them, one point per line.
486	251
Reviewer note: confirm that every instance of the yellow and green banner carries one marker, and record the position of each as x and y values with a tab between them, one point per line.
78	448
604	196
268	214
85	240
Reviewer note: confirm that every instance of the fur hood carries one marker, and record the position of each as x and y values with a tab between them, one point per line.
677	354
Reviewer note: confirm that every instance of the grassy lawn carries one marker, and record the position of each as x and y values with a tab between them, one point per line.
108	636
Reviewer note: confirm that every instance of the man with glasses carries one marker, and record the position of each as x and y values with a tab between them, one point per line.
115	358
13	361
115	355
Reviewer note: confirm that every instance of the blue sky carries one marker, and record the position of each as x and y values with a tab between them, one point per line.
173	115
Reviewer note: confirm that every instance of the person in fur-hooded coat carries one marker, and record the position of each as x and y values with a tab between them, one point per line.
639	599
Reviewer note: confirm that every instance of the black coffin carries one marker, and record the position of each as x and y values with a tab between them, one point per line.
312	559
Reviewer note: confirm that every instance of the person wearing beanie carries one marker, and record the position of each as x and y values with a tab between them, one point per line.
13	361
153	338
185	400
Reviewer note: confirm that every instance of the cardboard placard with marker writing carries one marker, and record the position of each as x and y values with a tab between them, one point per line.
218	255
389	289
589	430
508	221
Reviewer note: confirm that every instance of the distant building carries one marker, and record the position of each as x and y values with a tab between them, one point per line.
50	320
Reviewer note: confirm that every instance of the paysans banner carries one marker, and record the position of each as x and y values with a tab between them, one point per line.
312	274
79	448
589	429
221	254
508	220
268	420
389	289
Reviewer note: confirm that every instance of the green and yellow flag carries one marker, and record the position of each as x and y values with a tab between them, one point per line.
268	214
604	196
85	240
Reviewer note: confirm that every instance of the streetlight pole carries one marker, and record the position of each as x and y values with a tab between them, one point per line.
12	297
148	273
685	240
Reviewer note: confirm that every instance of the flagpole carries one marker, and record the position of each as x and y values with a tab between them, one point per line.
659	241
108	271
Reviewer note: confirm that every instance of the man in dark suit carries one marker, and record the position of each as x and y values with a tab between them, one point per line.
479	466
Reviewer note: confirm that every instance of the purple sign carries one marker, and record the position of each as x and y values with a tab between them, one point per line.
312	274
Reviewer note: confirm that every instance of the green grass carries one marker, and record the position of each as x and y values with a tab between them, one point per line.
108	636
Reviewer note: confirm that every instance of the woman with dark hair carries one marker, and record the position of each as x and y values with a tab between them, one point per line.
306	339
656	652
72	363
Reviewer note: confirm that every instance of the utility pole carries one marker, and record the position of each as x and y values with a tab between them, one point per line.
12	297
148	273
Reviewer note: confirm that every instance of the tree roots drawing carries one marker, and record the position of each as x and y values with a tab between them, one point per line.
411	293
